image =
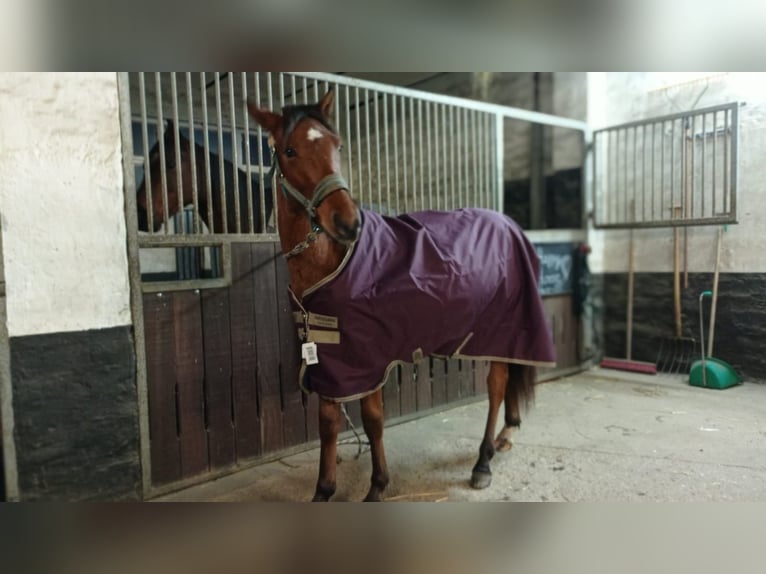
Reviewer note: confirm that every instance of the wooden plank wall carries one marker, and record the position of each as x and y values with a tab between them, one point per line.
222	368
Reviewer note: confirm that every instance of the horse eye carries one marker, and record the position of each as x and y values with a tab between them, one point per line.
290	152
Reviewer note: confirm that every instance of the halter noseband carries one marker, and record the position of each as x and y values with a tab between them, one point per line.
326	186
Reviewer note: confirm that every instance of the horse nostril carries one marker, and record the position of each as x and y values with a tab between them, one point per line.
347	231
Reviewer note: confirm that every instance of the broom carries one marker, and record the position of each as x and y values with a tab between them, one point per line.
628	364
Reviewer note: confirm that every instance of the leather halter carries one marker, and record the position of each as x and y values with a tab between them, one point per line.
326	186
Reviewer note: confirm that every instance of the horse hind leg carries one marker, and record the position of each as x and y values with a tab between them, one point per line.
497	381
329	426
516	375
372	418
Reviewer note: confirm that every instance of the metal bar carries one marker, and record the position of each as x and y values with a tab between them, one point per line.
614	204
185	285
643	173
626	171
305	91
719	220
452	164
197	228
206	146
261	167
349	140
505	111
429	177
377	151
248	155
478	156
388	155
460	192
396	152
715	157
726	191
235	154
357	123
147	167
635	175
668	117
654	178
487	155
690	199
704	149
413	154
672	162
177	152
445	158
734	161
405	183
499	158
221	167
136	299
662	166
161	140
203	240
437	155
369	144
421	169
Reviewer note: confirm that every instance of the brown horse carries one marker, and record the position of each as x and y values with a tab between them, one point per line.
219	217
319	224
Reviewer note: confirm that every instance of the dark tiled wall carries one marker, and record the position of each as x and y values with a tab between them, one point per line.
740	335
76	415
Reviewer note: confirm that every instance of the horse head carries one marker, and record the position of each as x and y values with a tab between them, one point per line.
306	151
176	177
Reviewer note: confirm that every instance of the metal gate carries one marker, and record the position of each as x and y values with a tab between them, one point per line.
670	171
216	346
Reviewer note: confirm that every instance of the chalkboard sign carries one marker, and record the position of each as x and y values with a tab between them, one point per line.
555	267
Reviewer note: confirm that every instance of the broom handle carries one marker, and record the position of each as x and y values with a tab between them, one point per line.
629	333
714	305
677	278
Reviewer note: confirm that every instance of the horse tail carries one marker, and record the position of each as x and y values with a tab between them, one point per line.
521	383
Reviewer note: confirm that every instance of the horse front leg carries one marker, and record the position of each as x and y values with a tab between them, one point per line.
372	418
329	426
497	381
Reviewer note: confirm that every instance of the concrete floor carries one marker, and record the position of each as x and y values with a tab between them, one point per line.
597	436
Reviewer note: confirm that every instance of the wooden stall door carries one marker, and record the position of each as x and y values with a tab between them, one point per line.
222	374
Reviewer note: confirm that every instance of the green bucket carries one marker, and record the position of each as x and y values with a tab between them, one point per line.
710	372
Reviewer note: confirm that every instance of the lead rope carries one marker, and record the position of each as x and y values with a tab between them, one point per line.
305	244
359	441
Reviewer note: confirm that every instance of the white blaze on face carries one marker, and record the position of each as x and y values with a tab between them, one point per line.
314	134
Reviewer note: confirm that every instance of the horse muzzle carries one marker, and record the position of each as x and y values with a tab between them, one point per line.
347	230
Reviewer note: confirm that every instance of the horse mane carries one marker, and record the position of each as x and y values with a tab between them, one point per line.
293	115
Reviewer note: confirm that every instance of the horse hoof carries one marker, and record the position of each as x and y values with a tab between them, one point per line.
480	480
503	445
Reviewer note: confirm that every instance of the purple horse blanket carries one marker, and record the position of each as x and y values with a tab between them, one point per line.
459	284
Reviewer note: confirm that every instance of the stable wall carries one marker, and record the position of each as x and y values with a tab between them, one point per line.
71	345
618	97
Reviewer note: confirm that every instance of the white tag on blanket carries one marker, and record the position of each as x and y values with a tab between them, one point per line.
309	353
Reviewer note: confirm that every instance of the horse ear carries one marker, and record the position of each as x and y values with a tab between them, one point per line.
267	120
325	104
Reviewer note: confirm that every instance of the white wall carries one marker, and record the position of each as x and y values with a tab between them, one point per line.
618	97
61	202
